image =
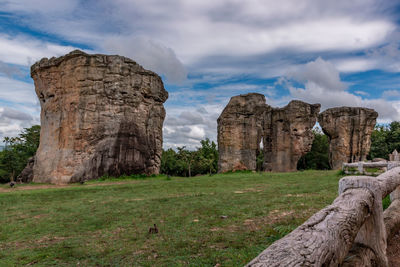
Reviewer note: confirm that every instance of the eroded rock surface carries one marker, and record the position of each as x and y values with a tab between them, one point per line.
240	127
349	131
26	176
286	133
100	114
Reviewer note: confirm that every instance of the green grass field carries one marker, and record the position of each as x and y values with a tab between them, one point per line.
107	225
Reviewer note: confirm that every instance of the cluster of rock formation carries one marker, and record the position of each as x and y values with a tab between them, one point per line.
286	133
100	114
103	114
349	131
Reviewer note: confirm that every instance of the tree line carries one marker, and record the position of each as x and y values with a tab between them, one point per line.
17	151
183	162
204	159
384	140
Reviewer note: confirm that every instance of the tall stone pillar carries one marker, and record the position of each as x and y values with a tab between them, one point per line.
100	114
349	131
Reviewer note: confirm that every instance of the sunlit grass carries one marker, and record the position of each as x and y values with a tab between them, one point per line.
226	219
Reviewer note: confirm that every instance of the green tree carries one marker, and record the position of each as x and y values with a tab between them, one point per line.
187	158
393	137
318	157
207	157
379	143
184	162
168	162
17	151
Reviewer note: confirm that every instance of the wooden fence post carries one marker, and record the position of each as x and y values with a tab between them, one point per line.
360	167
372	235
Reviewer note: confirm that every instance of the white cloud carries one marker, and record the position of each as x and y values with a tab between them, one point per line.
200	29
391	94
387	57
24	50
319	72
19	106
9	70
12	121
354	64
17	91
329	93
384	57
150	54
362	93
187	126
13	114
40	6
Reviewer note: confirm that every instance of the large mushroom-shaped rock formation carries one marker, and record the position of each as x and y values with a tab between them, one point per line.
100	115
349	131
240	131
286	133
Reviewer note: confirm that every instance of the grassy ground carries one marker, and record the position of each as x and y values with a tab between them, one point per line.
98	225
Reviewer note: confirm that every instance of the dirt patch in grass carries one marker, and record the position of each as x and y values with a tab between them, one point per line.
248	190
229	228
275	216
54	186
256	224
301	195
42	242
39	216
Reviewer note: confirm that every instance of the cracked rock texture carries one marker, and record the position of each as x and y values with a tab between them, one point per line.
240	127
100	115
349	131
286	133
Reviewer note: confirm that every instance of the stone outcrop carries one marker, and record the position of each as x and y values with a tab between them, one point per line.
100	115
240	127
394	156
349	131
26	176
286	133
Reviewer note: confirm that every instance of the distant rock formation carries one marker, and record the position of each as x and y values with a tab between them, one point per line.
100	114
394	156
286	133
240	128
26	176
349	131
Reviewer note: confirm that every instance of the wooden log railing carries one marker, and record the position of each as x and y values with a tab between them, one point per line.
352	231
360	167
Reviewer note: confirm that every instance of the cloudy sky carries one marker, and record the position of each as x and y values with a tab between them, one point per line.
331	52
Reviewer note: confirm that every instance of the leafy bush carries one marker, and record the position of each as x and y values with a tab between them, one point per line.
386	202
384	140
318	157
17	151
188	163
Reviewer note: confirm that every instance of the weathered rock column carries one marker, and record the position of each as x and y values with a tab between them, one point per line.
240	131
100	115
349	131
288	135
